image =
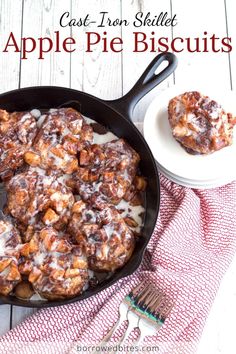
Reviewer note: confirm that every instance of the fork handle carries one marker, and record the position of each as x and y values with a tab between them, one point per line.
146	329
123	311
124	308
133	323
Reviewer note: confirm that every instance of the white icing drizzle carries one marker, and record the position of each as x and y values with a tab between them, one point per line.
37	297
100	138
38	170
39	258
66	132
5	272
86	286
53	110
64	178
41	120
3	238
89	120
90	274
36	113
103	138
109	229
132	211
25	117
2	246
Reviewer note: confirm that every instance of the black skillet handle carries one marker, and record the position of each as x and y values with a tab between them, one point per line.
125	105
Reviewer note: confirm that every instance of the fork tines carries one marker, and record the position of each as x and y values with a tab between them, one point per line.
150	302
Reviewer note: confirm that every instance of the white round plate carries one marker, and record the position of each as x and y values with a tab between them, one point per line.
201	169
193	181
193	184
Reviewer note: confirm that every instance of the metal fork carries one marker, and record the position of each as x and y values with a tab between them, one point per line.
146	308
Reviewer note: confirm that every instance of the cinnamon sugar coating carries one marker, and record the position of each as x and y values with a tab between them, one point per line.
72	205
200	124
17	132
9	257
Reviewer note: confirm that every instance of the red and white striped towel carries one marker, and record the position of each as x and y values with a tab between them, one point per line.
192	246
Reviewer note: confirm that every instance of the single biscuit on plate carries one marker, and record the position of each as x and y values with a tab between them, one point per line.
200	124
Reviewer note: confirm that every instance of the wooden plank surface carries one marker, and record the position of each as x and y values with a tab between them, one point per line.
231	28
10	21
5	317
96	72
208	69
135	63
41	19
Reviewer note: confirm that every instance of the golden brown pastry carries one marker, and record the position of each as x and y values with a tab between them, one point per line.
76	205
55	268
36	197
17	131
9	255
62	134
106	172
200	124
108	240
24	290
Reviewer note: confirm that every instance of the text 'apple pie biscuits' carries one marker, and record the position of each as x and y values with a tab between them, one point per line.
200	124
63	133
17	131
106	171
9	255
55	268
108	240
35	197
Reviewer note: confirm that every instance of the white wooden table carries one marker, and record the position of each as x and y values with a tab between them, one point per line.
109	75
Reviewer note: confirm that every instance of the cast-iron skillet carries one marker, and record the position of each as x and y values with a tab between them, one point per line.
116	115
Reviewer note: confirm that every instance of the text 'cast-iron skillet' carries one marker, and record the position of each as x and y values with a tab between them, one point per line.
116	116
